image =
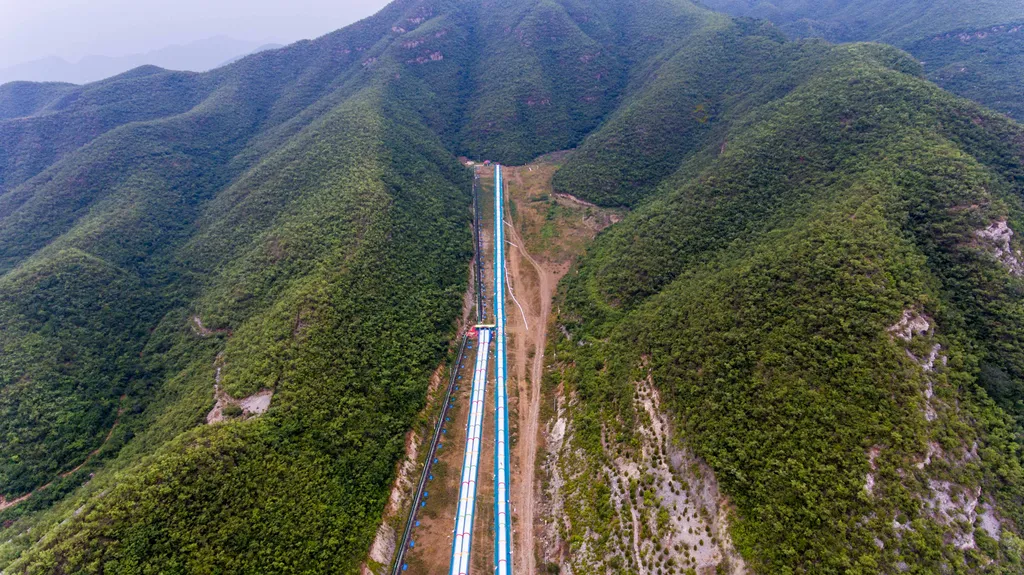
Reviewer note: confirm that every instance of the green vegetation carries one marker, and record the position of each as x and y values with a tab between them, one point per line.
973	49
514	83
883	20
64	345
20	99
323	252
297	223
342	303
984	65
682	105
758	292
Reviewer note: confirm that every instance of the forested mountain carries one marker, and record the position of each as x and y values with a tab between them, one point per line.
890	21
827	307
974	49
819	275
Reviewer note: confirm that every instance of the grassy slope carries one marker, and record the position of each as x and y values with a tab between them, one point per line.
757	296
346	338
678	106
136	170
328	238
129	200
545	73
20	99
79	115
685	101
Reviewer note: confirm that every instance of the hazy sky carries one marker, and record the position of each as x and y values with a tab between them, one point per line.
33	29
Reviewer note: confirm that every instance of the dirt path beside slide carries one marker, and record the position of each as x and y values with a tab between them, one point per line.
433	534
538	283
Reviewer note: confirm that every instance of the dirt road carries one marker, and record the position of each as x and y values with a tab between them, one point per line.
538	291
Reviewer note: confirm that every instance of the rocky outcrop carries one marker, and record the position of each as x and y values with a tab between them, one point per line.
668	513
997	238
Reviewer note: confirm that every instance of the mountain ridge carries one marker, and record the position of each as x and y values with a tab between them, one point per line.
973	52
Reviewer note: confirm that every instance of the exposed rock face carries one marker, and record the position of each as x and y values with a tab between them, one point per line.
667	511
956	505
928	364
254	405
997	237
910	324
869	479
383	549
953	505
989	522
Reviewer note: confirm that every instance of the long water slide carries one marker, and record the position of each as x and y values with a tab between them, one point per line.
463	535
462	541
502	512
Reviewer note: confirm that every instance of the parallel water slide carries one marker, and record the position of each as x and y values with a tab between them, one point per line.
462	542
463	537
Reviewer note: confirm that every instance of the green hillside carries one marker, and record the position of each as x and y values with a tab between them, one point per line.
885	20
22	99
294	228
342	305
985	65
969	48
758	292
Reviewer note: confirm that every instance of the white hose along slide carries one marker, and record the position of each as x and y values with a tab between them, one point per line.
463	536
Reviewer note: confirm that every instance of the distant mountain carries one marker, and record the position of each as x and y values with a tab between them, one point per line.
198	56
972	48
897	22
259	49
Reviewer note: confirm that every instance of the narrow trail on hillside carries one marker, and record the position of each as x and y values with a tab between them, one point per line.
535	295
5	503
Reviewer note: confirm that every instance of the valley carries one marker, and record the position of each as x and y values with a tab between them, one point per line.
557	228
